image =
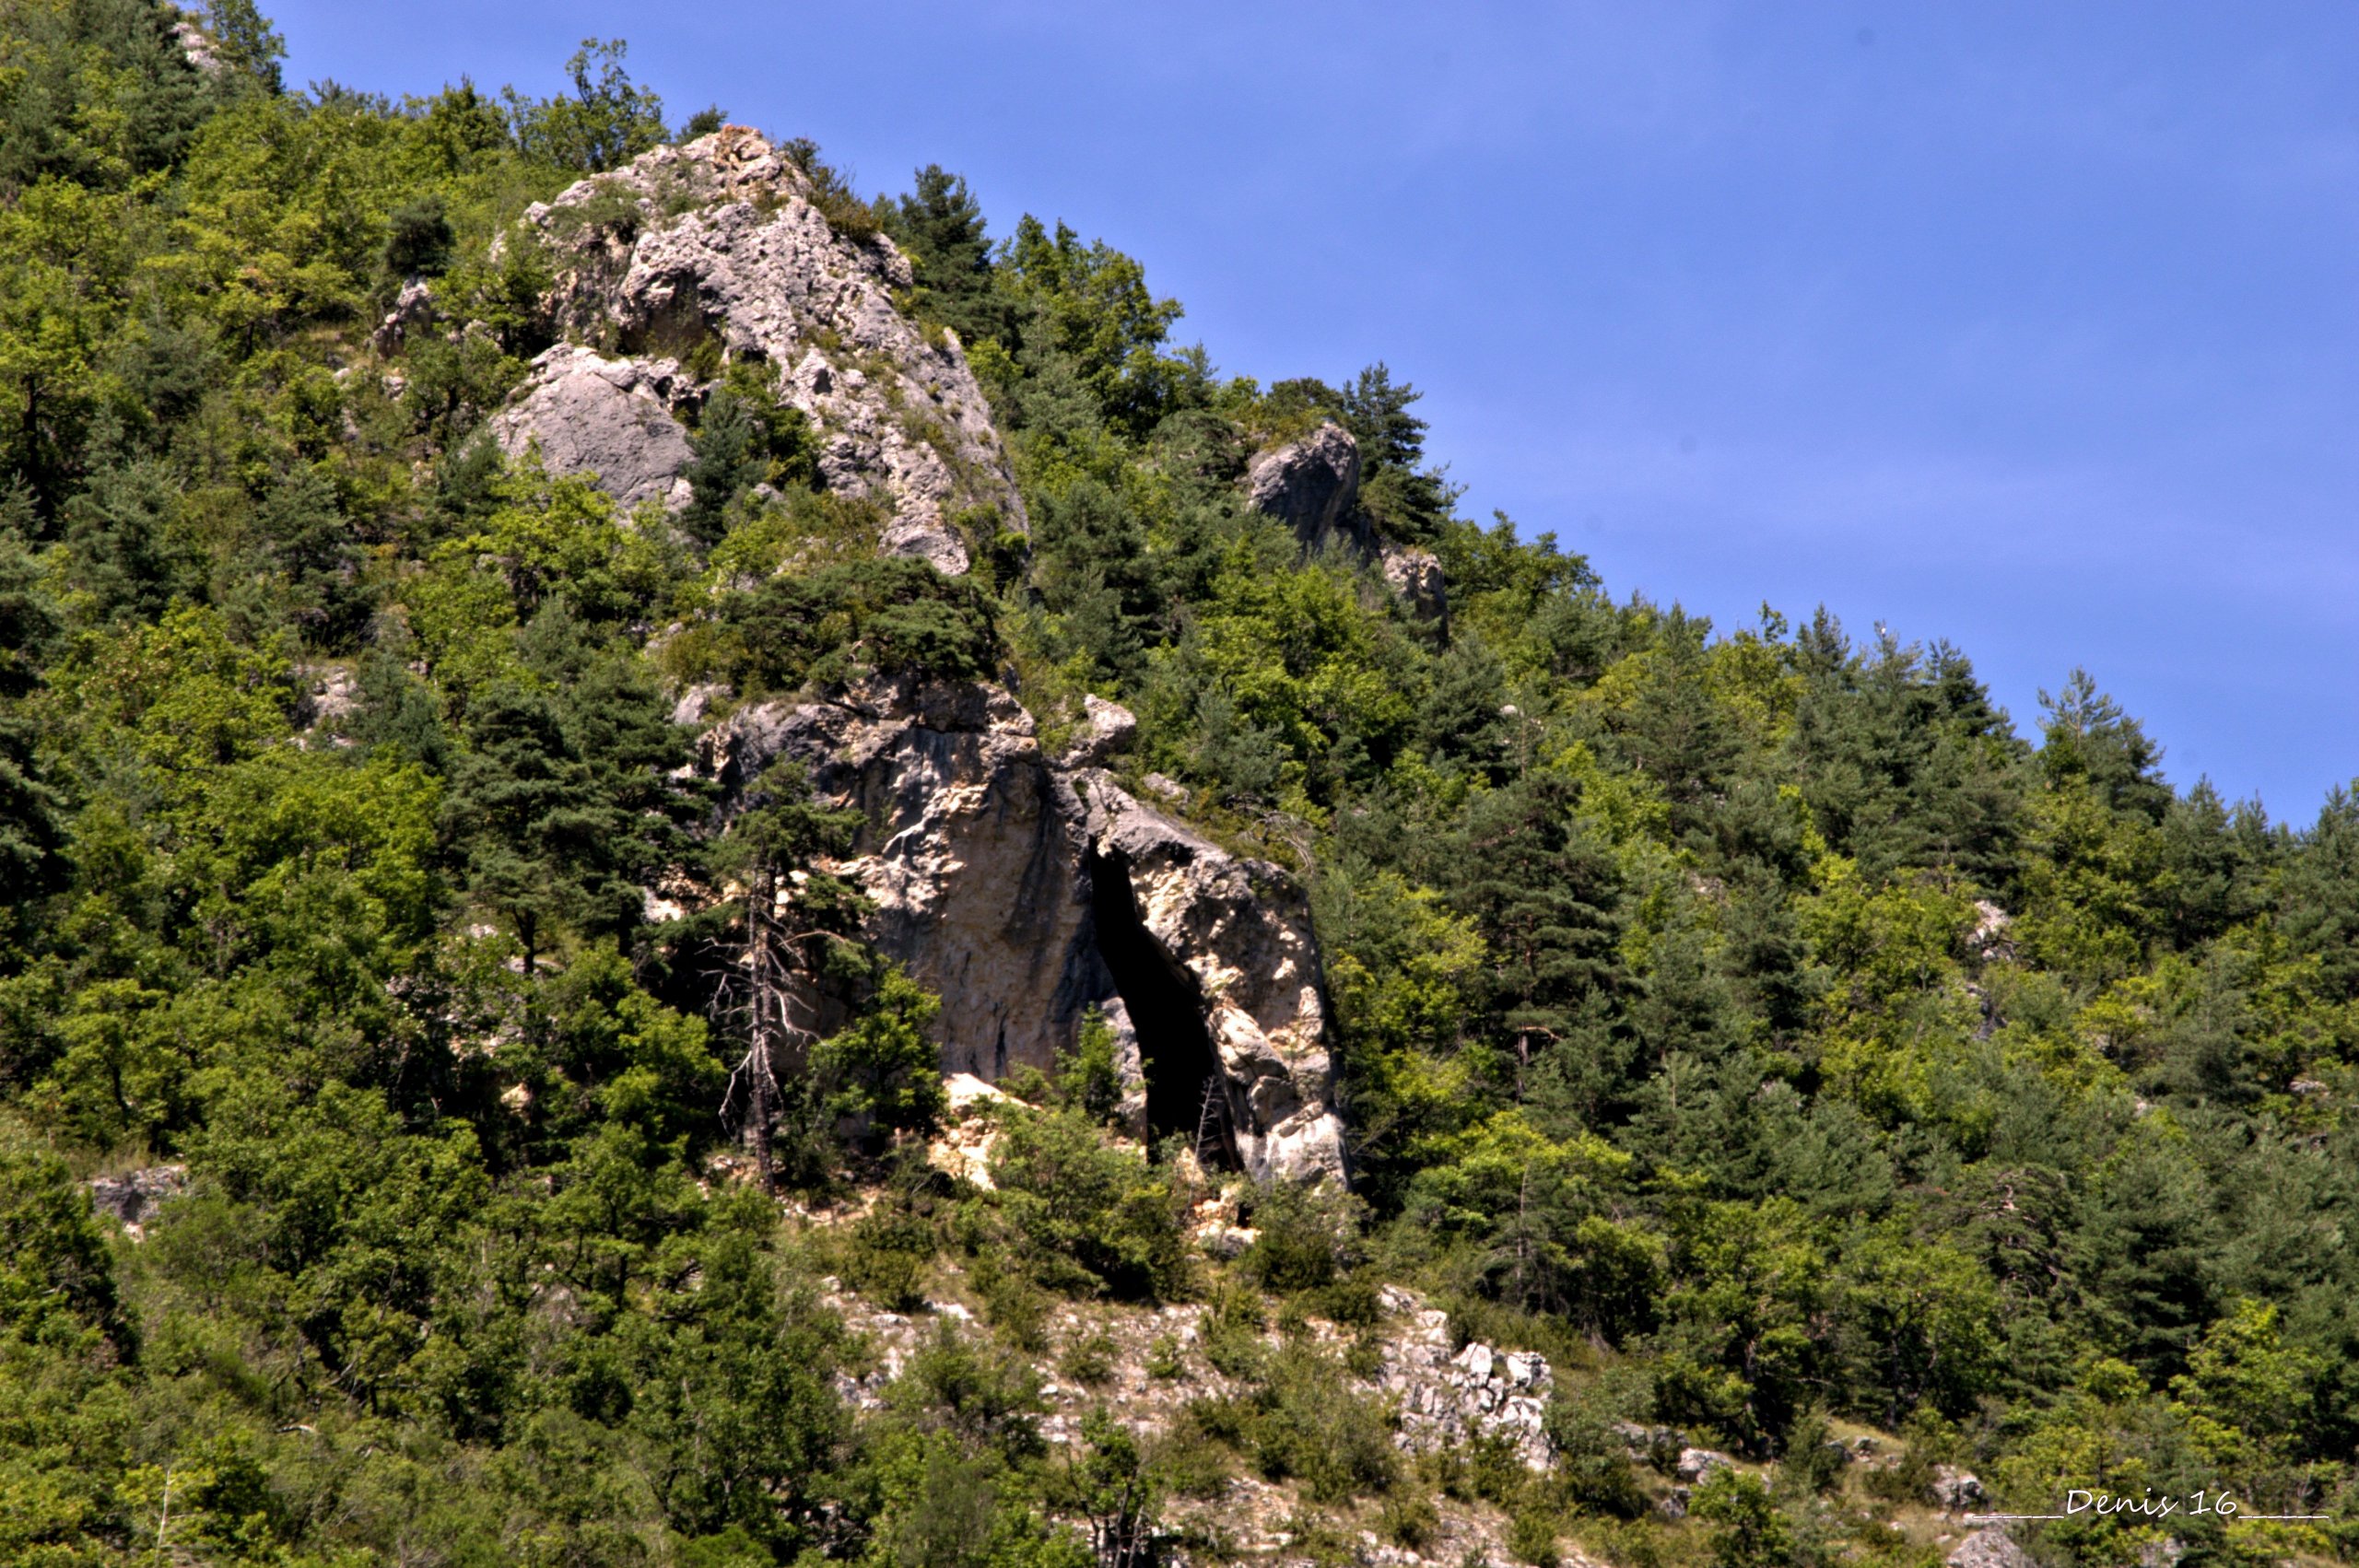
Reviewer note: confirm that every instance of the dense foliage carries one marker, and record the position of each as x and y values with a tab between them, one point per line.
1757	1018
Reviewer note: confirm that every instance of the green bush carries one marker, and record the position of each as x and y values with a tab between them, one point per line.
886	1258
1299	1241
1310	1423
892	615
1531	1538
1233	1341
1083	1214
1409	1519
1089	1359
1592	1461
1747	1531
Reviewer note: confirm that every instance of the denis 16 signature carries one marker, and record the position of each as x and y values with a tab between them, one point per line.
2086	1501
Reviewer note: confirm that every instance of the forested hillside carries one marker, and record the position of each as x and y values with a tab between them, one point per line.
1787	1042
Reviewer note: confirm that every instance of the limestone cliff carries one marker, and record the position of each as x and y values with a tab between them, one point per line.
1021	888
714	251
1024	891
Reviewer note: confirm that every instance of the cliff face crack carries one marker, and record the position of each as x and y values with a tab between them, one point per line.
1167	1008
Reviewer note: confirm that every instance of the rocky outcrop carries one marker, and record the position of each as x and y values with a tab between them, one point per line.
973	853
1239	931
1696	1465
1416	576
1106	731
1990	1547
1311	485
1955	1490
1023	892
714	251
413	309
132	1199
612	419
1447	1399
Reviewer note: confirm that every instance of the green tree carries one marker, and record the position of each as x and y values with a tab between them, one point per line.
940	224
608	121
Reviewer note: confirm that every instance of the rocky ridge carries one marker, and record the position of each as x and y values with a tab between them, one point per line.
714	251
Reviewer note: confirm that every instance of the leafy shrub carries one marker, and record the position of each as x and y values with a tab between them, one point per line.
1409	1519
1191	1460
1300	1240
1083	1214
1233	1341
745	437
419	240
1531	1538
885	1258
1592	1461
891	616
1089	1359
882	1071
1814	1462
608	121
1088	1078
1012	1305
1310	1423
831	193
1747	1531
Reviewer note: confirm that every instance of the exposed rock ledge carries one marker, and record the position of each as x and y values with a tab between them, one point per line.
717	242
1023	892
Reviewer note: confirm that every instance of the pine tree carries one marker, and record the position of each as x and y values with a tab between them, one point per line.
1542	891
940	224
32	831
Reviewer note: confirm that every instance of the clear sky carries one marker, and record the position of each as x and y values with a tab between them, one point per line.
2031	326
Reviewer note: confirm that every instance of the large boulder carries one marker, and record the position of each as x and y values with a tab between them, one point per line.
1311	485
132	1199
608	418
715	251
1024	893
973	854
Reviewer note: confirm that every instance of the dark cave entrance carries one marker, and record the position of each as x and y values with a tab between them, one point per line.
1185	1091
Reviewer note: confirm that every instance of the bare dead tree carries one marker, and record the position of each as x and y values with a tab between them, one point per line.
771	993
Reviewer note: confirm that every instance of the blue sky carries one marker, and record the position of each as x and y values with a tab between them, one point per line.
2029	327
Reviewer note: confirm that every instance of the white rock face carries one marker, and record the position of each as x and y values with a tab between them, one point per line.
1694	1464
413	309
986	862
1108	729
1955	1488
132	1199
1310	485
1313	487
720	244
1446	1400
1242	928
588	413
